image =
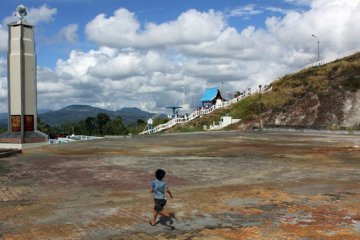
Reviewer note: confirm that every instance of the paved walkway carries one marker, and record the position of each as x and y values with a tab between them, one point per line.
227	185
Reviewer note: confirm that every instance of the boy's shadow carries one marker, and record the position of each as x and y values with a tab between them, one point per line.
167	221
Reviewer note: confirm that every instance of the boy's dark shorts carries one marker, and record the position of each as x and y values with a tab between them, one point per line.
159	204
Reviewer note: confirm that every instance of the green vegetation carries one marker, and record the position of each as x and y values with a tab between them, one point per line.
100	125
2	130
141	125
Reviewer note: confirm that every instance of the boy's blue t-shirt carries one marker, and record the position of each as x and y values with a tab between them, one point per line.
158	188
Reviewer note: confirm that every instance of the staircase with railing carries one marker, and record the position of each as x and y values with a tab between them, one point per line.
195	114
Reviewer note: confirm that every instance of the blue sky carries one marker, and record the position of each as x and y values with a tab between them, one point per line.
158	11
134	53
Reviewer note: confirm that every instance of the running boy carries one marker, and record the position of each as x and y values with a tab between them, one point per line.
158	188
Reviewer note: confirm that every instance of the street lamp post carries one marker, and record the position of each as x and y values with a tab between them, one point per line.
318	46
222	86
184	97
261	125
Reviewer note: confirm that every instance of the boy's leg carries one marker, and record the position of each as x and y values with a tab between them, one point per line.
164	214
154	218
167	215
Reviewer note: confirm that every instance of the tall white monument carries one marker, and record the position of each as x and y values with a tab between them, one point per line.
22	90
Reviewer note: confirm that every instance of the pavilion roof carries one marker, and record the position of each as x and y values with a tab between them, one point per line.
210	94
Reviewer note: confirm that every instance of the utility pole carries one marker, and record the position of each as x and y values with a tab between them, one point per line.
260	124
318	47
222	86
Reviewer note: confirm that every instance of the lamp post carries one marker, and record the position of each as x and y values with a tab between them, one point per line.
260	105
222	86
318	46
183	87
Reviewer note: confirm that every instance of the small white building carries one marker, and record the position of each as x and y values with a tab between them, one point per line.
224	121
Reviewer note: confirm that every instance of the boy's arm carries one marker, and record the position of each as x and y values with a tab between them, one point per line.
151	187
169	192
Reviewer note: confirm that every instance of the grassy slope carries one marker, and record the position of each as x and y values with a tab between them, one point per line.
326	82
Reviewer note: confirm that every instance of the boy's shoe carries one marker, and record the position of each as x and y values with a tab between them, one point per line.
171	222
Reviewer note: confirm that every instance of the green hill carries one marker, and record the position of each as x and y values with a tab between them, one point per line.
76	113
322	97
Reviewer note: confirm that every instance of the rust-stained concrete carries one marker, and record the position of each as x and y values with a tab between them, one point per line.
227	185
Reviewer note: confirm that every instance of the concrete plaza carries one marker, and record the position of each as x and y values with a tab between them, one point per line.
226	185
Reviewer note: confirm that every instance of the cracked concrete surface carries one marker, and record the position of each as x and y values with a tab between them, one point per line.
227	185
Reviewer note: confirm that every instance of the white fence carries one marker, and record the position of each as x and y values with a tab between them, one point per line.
192	116
325	61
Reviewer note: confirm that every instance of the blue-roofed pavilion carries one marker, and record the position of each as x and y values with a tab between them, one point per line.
210	96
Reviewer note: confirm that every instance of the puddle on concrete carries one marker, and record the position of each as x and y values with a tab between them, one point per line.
357	226
298	217
243	202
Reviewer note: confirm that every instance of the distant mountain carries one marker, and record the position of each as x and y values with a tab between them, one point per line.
76	113
130	114
3	115
40	111
72	113
4	120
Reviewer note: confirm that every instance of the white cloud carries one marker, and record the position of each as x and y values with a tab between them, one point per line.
115	79
146	64
68	33
42	14
278	10
3	67
300	2
245	11
124	30
3	85
334	22
35	15
3	38
78	64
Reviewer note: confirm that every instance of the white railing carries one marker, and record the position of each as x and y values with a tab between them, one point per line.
328	60
199	112
195	114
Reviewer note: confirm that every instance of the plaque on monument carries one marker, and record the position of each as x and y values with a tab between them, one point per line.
29	123
16	123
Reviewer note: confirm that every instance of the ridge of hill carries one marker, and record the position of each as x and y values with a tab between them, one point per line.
76	113
320	97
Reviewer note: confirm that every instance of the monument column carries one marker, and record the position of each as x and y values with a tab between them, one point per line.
22	91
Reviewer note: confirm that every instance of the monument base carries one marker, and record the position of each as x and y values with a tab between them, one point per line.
29	140
22	146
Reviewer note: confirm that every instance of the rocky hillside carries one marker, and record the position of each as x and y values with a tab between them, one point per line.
322	97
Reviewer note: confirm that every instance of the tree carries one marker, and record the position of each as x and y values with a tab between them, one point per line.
237	93
140	122
101	120
90	125
2	130
115	127
43	127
